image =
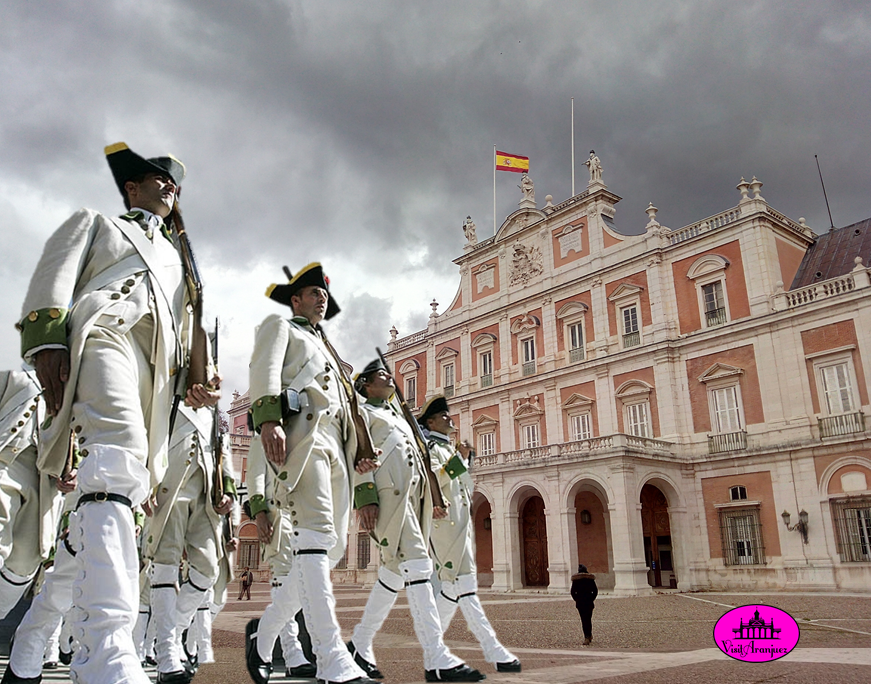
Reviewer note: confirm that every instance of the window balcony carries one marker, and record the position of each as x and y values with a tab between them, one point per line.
844	424
729	441
449	391
632	339
487	380
529	368
576	354
715	317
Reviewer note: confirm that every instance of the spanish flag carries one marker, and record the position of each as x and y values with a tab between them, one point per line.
511	162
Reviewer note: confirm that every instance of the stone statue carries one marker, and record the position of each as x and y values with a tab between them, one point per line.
527	188
595	167
469	231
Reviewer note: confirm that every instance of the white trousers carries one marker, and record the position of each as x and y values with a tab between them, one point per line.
46	612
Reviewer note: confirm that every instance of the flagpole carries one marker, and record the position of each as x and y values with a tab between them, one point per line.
494	189
573	147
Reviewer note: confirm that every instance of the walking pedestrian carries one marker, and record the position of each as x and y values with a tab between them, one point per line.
584	592
245	582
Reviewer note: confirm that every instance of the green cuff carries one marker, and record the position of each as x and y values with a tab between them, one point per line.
257	503
265	409
138	518
365	494
46	326
455	467
229	485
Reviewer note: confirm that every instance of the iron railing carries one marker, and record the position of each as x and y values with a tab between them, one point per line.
844	424
715	317
729	441
529	368
632	339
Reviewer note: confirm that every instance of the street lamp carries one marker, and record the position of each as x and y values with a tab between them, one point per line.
801	525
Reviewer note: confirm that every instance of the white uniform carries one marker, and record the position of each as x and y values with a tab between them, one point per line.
400	488
453	547
26	498
314	481
184	522
125	281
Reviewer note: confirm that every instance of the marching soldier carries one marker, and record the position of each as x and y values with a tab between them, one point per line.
268	504
26	498
184	521
452	539
303	408
394	504
105	324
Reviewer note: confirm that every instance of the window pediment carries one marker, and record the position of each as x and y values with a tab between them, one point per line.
446	353
484	422
577	401
528	408
525	322
409	366
572	309
625	291
719	371
634	389
707	264
484	340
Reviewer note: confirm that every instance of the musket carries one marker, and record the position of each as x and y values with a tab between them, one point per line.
217	441
70	462
196	365
435	491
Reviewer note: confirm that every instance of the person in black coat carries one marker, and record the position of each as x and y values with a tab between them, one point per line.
584	592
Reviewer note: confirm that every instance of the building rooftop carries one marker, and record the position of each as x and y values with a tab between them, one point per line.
834	253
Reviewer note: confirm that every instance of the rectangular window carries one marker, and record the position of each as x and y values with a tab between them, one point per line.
487	443
852	518
486	363
576	342
638	419
528	350
837	388
411	391
715	306
582	427
448	378
741	535
363	551
725	406
631	333
531	436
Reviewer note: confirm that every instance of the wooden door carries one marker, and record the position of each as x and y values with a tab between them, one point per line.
534	535
657	532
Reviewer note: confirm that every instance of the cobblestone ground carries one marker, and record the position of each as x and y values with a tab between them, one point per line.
663	638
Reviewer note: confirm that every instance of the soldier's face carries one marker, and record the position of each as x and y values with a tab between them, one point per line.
380	385
441	422
155	193
310	303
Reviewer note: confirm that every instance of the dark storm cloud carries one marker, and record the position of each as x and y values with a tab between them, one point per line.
350	131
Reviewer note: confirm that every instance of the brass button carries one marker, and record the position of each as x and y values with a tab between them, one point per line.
260	402
290	503
282	475
396	492
188	462
292	513
129	282
14	429
326	387
173	371
54	313
20	423
77	429
164	490
309	416
27	414
32	316
326	378
371	486
125	289
120	321
84	453
115	295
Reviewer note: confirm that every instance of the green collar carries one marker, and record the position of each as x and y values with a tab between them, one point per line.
139	218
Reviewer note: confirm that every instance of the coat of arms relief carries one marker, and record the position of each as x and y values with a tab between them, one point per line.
526	263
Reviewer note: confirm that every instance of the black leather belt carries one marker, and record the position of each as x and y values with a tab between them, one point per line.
104	496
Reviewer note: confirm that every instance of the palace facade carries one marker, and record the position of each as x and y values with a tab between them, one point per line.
685	407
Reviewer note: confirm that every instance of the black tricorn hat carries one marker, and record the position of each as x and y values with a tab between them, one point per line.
126	164
363	376
435	405
313	274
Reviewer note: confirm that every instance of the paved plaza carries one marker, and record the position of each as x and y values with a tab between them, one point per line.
663	638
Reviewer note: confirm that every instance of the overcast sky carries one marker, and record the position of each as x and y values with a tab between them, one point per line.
361	134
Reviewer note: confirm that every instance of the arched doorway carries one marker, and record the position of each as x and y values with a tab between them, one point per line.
656	529
483	540
533	535
591	529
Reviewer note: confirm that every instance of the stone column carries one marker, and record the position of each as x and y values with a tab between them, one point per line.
500	526
630	568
